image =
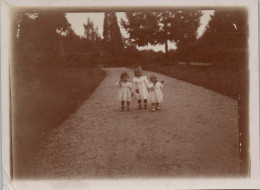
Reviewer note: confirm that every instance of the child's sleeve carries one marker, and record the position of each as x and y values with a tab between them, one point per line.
117	84
161	85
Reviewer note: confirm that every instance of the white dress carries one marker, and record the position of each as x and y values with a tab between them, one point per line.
156	95
124	91
141	83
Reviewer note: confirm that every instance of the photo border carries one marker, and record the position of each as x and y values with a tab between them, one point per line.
137	183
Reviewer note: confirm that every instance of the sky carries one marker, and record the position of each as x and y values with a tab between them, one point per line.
78	19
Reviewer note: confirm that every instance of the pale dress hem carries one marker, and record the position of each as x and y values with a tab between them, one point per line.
141	84
125	92
156	95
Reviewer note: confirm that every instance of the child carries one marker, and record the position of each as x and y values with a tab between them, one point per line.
141	84
125	91
155	96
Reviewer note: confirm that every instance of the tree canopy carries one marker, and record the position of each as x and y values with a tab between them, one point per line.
48	36
163	26
226	36
91	32
39	35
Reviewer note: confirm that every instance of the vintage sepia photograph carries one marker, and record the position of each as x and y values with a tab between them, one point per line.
129	92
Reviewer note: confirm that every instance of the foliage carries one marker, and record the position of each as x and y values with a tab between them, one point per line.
225	38
40	38
113	41
161	27
48	38
91	32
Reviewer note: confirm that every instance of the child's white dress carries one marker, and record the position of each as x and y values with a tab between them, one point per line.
124	91
141	83
156	95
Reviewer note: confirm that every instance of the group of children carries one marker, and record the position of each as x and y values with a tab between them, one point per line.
141	89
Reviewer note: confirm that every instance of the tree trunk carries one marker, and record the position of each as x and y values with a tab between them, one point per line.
166	48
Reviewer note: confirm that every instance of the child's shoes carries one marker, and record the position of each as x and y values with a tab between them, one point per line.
153	109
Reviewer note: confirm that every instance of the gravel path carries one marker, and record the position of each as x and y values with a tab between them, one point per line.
194	135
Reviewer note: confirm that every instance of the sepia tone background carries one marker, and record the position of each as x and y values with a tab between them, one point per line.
55	72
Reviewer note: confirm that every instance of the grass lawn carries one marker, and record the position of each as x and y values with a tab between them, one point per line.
230	82
42	98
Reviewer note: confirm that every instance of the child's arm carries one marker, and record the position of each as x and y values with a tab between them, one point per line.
135	86
118	83
161	86
146	82
131	88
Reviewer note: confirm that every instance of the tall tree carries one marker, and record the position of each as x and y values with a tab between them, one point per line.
40	36
50	27
106	29
186	28
161	27
91	32
112	37
142	27
226	36
111	31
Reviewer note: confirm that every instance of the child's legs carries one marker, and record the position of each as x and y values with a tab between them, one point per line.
145	103
122	104
153	106
139	103
128	104
157	106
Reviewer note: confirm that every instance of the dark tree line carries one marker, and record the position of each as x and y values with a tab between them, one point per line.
47	37
225	38
38	38
224	41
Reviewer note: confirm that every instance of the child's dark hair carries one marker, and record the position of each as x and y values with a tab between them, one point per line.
123	74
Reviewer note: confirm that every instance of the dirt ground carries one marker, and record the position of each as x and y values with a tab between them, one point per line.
195	134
